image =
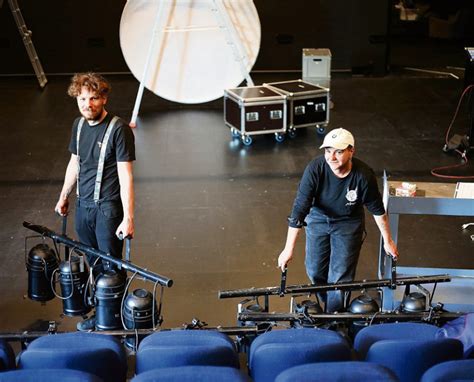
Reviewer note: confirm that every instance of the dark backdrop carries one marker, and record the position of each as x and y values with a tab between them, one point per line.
71	35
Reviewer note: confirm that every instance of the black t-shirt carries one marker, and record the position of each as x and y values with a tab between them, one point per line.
120	148
336	197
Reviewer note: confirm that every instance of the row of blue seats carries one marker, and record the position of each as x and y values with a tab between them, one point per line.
403	352
351	371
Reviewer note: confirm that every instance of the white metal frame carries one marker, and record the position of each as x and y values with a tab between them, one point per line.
225	24
27	41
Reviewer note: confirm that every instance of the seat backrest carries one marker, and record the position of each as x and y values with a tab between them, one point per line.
186	338
273	352
78	340
94	353
185	348
459	370
7	356
392	331
48	375
301	335
353	371
192	374
409	359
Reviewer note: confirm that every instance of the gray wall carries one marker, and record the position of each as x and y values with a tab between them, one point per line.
72	36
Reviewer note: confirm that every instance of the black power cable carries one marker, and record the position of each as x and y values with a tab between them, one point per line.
463	155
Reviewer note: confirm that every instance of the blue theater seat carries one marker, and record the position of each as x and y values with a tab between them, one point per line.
48	375
275	351
185	348
98	354
352	371
408	349
461	370
193	374
7	356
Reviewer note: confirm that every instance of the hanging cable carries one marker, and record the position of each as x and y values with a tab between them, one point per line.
90	283
373	317
123	299
463	155
70	275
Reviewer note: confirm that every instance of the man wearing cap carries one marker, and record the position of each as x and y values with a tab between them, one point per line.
330	204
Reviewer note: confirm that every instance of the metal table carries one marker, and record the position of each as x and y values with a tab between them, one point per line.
431	199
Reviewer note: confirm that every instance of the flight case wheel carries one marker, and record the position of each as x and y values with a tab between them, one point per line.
320	129
234	132
279	137
247	140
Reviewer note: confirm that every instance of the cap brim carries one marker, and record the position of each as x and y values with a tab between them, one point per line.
340	146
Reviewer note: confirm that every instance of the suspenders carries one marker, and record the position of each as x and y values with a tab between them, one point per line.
78	135
103	148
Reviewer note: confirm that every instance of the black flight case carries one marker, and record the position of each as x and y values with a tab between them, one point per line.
255	110
307	104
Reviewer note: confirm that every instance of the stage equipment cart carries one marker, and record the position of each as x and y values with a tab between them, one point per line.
255	110
307	104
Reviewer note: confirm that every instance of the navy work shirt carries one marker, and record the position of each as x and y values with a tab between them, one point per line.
336	197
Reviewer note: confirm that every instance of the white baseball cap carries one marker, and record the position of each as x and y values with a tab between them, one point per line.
338	138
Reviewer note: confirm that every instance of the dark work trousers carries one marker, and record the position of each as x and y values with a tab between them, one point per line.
332	251
96	224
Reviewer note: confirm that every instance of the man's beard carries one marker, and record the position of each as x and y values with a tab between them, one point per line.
91	116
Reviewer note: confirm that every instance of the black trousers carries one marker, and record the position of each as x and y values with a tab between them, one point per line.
96	224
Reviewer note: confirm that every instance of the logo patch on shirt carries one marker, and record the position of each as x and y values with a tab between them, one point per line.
99	144
351	196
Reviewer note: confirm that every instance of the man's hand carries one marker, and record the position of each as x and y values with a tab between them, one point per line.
62	207
287	254
285	257
126	228
391	249
388	244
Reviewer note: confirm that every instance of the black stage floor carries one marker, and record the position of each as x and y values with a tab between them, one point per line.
210	212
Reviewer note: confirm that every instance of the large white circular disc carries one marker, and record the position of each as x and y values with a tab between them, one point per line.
191	59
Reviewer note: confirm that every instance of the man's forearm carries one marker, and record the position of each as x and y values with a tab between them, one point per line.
70	178
291	237
390	246
383	225
127	193
287	254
